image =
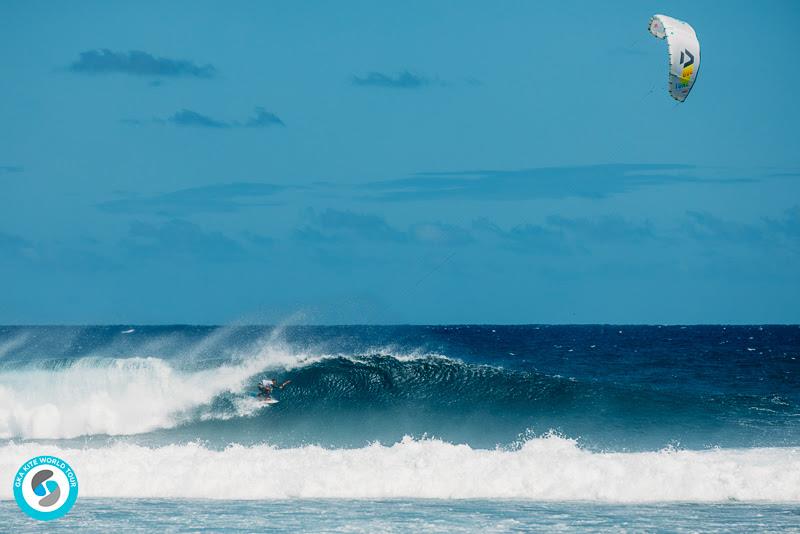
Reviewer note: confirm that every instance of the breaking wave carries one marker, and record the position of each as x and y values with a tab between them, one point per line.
542	469
346	401
118	396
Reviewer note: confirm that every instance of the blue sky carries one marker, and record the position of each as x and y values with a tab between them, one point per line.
417	162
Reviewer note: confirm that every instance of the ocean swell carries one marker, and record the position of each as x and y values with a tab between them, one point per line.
349	400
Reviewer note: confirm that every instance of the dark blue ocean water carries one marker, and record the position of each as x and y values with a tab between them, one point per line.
396	427
611	387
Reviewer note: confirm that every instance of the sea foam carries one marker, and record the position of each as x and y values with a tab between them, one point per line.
121	396
541	469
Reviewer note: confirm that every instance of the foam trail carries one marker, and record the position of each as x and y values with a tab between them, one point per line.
542	469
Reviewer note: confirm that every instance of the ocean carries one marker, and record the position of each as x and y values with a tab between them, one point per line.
390	428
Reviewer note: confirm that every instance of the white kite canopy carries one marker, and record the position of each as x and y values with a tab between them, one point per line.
684	53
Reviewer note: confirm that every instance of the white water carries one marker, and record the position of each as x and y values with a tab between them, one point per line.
121	396
546	469
124	396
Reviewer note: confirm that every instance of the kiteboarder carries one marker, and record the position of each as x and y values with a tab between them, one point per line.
266	386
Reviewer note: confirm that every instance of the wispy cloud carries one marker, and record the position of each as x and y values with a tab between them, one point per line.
214	198
564	235
603	229
788	225
401	80
330	226
440	233
708	227
138	63
556	235
590	181
186	117
261	118
335	225
180	239
62	255
782	230
532	238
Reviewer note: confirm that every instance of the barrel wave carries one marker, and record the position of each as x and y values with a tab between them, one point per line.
423	404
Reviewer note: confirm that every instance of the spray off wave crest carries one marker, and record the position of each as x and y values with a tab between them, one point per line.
121	396
542	469
378	395
118	396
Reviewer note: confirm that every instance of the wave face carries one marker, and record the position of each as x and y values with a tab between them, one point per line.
546	469
590	413
612	388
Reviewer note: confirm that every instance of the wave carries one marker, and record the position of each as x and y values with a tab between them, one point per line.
120	396
543	469
349	400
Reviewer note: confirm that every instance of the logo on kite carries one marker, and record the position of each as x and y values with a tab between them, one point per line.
684	53
688	67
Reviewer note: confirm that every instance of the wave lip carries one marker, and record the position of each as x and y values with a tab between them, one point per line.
542	469
395	394
120	396
125	396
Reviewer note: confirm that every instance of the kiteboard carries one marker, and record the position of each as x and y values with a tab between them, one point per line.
263	400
